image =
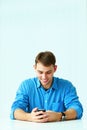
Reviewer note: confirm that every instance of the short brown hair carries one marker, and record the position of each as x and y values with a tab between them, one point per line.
46	58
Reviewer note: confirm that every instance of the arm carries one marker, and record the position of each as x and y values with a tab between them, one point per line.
20	114
20	107
34	116
71	114
73	108
72	103
20	104
57	116
48	116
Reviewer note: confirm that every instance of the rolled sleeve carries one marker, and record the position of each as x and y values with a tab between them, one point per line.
21	101
72	101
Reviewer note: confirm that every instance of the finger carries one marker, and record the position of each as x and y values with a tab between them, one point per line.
41	116
35	109
43	120
40	112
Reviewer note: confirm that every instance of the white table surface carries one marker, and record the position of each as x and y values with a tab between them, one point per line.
8	124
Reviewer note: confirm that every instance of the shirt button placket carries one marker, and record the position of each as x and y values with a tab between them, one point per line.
46	101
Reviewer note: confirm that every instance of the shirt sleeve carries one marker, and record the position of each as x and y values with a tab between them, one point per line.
21	100
72	101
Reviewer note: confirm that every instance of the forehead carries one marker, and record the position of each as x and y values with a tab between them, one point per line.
41	67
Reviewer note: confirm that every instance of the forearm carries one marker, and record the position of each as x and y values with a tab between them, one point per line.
34	116
57	116
19	114
70	114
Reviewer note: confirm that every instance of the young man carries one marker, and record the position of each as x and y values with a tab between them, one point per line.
57	96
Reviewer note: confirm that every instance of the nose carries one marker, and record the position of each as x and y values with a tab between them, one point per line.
44	76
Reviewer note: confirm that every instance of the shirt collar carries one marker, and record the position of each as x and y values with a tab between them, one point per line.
54	84
38	83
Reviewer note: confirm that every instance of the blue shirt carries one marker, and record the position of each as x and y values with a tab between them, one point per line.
60	97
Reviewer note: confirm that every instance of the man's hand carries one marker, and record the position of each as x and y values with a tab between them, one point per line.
38	116
53	116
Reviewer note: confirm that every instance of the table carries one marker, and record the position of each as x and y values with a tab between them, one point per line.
8	124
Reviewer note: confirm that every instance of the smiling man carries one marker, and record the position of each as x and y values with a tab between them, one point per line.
57	97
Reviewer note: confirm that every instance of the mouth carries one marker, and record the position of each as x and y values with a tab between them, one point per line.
44	81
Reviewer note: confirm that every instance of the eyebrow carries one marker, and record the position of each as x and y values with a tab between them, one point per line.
46	71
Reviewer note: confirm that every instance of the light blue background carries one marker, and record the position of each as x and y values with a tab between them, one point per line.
30	26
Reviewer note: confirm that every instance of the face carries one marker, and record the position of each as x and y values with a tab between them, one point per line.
45	74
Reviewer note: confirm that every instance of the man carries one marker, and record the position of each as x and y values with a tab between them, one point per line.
57	96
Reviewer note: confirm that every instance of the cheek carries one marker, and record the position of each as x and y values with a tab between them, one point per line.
51	75
38	75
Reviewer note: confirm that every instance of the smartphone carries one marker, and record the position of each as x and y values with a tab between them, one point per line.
41	110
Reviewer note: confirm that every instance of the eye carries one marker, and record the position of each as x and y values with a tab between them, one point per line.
49	72
40	72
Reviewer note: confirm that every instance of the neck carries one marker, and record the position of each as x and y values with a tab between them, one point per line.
46	87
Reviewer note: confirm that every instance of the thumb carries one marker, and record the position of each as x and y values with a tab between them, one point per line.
35	109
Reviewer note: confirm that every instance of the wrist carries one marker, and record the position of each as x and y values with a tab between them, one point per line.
59	116
63	117
28	117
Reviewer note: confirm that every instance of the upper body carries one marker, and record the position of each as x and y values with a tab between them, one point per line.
47	92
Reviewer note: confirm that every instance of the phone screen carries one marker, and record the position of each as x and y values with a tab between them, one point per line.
41	110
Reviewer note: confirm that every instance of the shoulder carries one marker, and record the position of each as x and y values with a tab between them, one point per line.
63	83
28	83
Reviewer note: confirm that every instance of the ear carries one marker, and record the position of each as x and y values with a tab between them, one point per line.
55	68
34	66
